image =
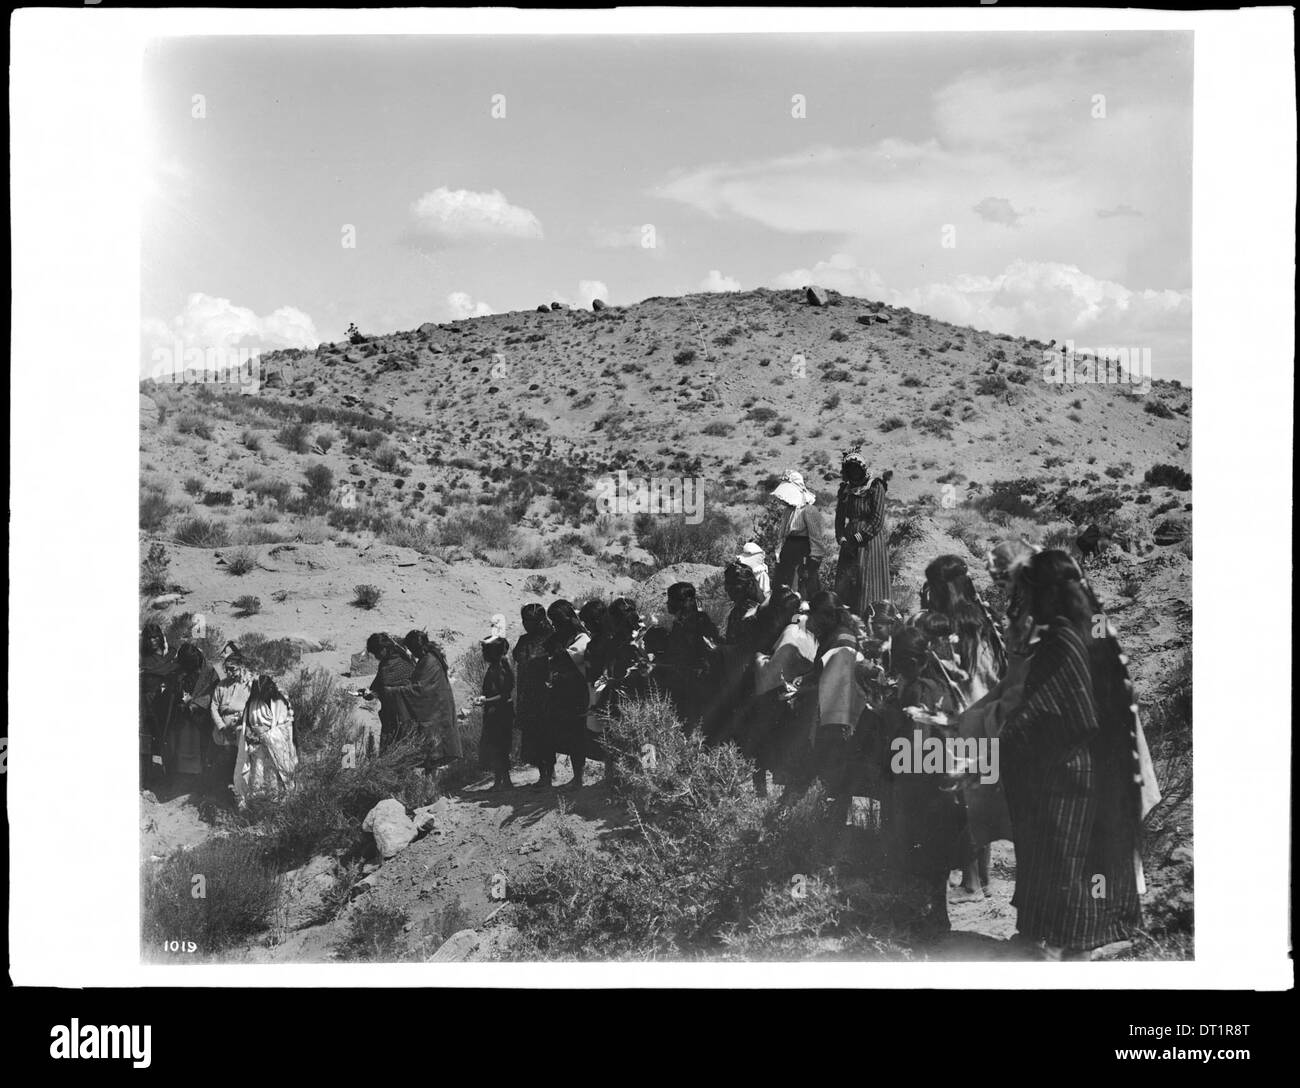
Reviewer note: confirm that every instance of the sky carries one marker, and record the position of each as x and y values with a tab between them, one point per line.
1037	184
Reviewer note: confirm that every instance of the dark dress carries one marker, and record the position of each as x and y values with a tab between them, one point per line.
532	669
689	664
568	698
498	719
392	684
1068	772
432	706
862	574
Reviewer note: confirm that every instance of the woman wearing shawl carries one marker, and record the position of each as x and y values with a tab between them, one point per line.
1077	784
497	736
267	760
802	535
986	806
781	726
977	645
532	671
925	823
197	680
841	697
688	662
862	574
429	700
974	644
157	698
392	683
569	696
735	654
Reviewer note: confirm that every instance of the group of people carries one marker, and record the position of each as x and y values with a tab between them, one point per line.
813	684
219	722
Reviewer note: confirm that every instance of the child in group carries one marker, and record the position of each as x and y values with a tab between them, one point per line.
498	710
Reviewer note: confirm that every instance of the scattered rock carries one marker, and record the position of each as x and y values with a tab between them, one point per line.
817	296
391	827
456	948
305	643
559	305
166	600
148	411
543	309
362	664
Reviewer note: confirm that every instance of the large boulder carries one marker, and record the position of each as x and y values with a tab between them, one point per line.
559	305
543	309
597	304
428	328
148	411
392	828
817	296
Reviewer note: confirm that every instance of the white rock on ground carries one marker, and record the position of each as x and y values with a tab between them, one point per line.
391	827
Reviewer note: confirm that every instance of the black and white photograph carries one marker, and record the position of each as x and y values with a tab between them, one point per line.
672	497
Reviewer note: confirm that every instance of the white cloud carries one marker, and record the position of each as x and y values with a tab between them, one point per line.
453	215
462	306
208	323
1028	134
716	281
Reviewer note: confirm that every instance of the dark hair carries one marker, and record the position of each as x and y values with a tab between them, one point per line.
949	591
494	649
264	690
151	635
623	617
190	658
680	596
564	616
534	618
381	646
419	643
775	614
740	578
595	616
828	614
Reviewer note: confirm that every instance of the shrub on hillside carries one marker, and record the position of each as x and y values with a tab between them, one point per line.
1169	476
273	656
240	891
153	570
294	437
670	539
241	561
367	596
200	532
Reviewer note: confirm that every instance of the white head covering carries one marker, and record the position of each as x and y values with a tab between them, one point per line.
793	491
752	556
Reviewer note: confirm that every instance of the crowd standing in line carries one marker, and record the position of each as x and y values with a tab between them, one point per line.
814	685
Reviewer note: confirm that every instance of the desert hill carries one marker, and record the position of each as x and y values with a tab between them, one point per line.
435	477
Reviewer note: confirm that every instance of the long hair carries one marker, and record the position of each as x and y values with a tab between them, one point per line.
949	590
382	646
1057	590
419	643
564	618
827	614
152	640
533	617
